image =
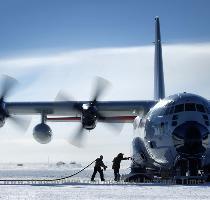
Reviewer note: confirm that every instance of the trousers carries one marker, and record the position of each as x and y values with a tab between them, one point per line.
100	171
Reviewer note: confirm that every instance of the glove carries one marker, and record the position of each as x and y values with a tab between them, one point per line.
105	168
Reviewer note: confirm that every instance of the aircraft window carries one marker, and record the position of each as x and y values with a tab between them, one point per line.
171	110
200	108
179	108
190	107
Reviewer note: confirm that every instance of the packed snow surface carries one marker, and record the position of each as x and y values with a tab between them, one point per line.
79	187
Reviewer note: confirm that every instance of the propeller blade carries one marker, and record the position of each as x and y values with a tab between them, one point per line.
100	86
20	122
8	83
63	96
117	127
78	138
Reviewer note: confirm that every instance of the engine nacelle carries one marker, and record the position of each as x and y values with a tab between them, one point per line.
89	123
89	116
42	133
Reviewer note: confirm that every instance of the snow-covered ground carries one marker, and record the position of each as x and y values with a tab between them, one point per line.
73	189
104	192
80	191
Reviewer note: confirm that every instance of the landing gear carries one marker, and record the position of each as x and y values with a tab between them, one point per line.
187	166
194	166
183	167
188	171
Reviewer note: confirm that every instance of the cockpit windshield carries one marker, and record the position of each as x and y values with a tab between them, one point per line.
190	107
200	108
185	107
179	108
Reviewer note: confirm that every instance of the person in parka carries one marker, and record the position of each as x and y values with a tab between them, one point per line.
98	168
116	165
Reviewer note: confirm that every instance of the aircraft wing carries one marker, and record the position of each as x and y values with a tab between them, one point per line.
65	110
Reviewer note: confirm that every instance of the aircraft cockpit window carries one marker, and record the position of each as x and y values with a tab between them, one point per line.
200	108
190	107
179	108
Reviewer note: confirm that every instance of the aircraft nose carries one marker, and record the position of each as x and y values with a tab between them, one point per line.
190	138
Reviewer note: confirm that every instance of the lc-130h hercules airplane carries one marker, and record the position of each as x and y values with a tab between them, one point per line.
171	133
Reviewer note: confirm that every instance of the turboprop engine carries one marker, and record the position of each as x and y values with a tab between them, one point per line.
7	84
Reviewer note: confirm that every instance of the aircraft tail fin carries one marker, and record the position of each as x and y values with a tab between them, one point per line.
159	87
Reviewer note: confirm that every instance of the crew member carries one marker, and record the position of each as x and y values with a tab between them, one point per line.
98	168
116	165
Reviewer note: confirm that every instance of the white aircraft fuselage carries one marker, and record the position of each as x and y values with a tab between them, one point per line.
177	127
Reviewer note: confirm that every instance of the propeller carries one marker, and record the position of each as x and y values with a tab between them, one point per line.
22	123
78	138
100	86
8	85
62	96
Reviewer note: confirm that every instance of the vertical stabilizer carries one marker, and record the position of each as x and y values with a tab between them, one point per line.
159	87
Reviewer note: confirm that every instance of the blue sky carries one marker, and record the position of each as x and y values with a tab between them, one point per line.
31	25
50	45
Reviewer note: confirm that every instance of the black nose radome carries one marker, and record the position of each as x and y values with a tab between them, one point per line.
189	138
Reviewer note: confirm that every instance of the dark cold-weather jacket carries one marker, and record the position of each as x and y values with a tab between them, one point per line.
99	163
116	162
